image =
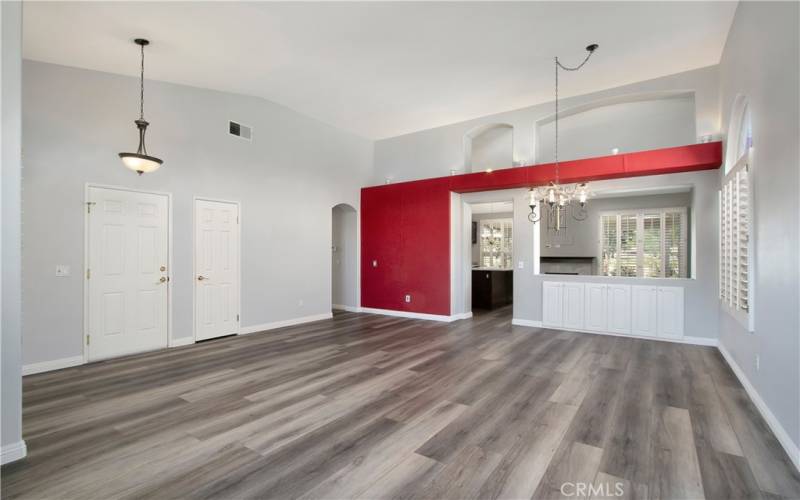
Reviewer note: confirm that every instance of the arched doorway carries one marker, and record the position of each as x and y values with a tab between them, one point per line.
344	258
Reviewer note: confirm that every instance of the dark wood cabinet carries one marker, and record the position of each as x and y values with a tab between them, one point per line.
492	289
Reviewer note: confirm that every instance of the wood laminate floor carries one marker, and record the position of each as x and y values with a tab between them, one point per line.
365	406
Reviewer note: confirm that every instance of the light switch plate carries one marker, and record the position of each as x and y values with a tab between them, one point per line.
62	270
521	264
408	298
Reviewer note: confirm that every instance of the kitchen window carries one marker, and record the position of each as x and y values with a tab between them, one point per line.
647	243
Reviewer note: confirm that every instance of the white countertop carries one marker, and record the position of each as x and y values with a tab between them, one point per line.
492	269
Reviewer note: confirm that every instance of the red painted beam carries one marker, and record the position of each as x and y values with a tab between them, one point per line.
405	227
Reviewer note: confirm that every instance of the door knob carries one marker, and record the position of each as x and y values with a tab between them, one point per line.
201	278
161	280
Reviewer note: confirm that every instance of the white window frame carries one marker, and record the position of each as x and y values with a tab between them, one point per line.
639	213
728	259
508	221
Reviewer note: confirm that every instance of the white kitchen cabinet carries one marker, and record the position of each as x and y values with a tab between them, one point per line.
596	307
619	309
670	312
644	310
572	297
552	304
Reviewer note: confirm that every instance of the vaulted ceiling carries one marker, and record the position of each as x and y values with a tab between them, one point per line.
385	68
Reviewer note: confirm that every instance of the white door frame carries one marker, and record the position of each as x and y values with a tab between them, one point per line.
195	199
86	258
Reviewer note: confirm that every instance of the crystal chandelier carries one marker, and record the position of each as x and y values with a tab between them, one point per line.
557	200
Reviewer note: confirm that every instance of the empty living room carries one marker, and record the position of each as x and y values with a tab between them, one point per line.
336	250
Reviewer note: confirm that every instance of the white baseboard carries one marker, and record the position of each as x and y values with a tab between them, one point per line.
48	366
780	433
526	322
341	307
13	452
181	341
283	323
413	315
704	341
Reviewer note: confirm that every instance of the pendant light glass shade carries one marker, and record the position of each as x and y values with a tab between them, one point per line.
140	162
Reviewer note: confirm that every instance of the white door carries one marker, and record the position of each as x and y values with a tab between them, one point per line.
619	308
644	310
127	276
596	308
216	260
670	311
552	304
573	305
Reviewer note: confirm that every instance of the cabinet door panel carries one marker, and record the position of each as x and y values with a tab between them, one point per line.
596	308
619	308
573	305
552	304
644	310
670	312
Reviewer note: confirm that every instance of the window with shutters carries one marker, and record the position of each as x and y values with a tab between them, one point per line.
496	243
647	243
735	247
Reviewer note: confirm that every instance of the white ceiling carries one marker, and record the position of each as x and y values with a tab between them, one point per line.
386	68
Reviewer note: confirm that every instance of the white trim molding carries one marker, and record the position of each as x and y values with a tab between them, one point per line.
283	323
780	433
703	341
414	315
56	364
14	451
181	341
526	322
342	307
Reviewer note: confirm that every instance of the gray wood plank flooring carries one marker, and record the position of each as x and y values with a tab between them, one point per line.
364	406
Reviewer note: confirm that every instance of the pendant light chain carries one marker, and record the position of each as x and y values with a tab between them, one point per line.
558	65
141	88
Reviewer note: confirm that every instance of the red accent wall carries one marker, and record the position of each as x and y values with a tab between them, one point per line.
405	227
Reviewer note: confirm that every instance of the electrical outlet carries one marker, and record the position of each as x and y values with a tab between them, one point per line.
374	263
408	298
521	264
758	363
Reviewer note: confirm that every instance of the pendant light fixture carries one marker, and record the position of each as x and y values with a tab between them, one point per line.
140	162
556	199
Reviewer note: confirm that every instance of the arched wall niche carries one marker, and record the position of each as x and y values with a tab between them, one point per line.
632	122
489	146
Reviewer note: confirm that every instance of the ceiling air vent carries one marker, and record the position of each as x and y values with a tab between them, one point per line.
240	130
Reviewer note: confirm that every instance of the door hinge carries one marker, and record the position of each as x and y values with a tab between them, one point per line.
87	339
89	206
88	273
237	317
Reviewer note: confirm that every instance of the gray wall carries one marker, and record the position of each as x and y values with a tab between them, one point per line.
434	152
494	148
760	61
345	256
10	100
75	121
628	126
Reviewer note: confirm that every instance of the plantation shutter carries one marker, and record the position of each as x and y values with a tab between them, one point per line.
608	245
735	238
628	245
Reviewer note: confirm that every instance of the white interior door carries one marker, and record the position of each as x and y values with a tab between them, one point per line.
216	260
127	276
